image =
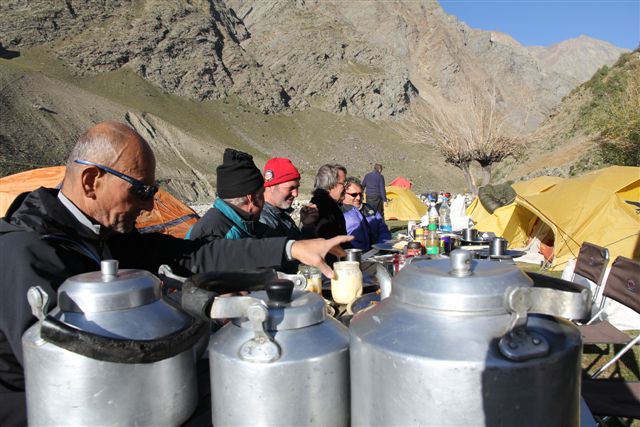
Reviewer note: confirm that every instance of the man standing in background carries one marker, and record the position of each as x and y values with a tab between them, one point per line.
374	188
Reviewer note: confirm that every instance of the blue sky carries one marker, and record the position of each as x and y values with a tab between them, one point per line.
546	22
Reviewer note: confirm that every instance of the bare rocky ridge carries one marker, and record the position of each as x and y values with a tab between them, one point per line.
54	114
308	64
590	53
447	58
567	142
177	155
39	127
190	49
193	49
360	58
321	61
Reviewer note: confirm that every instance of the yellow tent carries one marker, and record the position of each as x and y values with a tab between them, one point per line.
513	221
169	215
403	205
590	208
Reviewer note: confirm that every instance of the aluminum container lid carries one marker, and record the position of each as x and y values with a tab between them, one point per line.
458	284
109	289
304	309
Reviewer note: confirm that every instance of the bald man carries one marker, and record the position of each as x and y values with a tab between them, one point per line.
49	235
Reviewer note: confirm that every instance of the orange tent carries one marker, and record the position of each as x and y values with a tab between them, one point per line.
402	182
169	215
13	185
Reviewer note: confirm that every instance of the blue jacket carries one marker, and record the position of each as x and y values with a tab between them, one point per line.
366	224
373	184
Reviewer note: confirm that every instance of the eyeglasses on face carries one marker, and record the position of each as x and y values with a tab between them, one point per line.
142	191
354	195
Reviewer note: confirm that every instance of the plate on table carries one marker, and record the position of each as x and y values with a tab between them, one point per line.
508	254
388	246
381	258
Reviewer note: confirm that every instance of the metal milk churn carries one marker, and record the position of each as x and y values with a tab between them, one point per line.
281	361
464	342
113	352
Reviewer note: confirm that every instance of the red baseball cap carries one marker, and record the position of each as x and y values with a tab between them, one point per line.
278	170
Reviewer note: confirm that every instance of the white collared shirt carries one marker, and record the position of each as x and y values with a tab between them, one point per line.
78	214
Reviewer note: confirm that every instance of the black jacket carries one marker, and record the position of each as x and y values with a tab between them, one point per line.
278	223
42	243
330	220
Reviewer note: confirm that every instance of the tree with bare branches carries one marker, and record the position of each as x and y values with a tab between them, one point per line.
469	131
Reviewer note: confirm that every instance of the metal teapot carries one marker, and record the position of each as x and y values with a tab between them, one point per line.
113	352
467	342
280	361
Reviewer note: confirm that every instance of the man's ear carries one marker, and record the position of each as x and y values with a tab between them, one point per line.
88	180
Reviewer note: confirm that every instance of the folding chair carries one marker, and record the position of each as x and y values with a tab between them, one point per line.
615	397
591	264
612	398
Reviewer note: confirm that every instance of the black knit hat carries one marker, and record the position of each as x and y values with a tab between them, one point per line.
237	176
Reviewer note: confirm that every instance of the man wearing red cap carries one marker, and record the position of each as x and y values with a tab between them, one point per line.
281	183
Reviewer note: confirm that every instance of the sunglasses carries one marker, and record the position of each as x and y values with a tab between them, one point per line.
354	195
141	190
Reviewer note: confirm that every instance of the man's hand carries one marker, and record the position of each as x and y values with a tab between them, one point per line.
313	251
309	214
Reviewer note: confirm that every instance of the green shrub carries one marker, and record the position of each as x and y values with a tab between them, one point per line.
614	113
624	153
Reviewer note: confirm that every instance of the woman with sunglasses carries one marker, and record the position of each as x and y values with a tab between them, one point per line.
363	221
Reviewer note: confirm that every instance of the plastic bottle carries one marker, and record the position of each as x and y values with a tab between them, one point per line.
433	215
445	216
433	242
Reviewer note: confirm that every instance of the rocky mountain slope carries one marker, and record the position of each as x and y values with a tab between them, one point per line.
316	80
447	59
562	57
47	107
597	124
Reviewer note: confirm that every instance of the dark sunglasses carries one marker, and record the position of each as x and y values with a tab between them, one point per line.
142	191
354	195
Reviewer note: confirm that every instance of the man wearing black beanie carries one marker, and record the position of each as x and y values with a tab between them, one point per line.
236	211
